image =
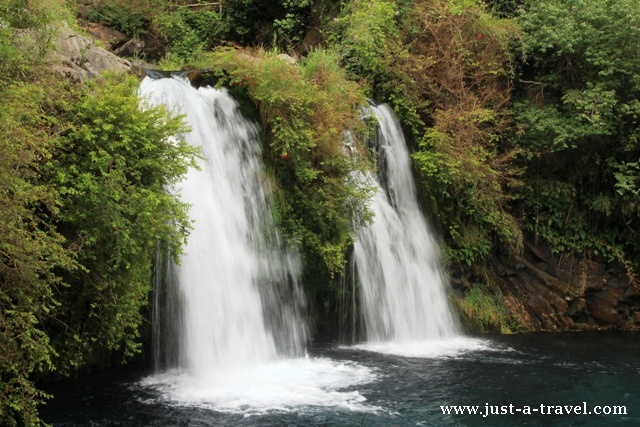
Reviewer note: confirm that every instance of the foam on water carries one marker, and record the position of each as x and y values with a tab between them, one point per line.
436	348
278	386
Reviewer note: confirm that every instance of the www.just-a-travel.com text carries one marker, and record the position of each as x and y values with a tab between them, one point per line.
542	409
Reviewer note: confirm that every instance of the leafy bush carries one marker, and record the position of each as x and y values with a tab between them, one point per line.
81	210
368	35
123	19
208	25
30	248
33	14
183	42
113	162
267	23
461	64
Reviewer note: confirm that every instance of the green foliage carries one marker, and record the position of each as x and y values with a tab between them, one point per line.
22	50
183	41
130	17
368	35
33	14
82	208
184	31
292	25
206	24
14	62
486	312
131	23
305	110
263	22
110	170
371	34
188	33
462	65
578	121
504	8
29	249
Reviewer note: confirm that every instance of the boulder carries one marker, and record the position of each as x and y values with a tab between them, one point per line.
603	308
78	58
110	37
84	7
312	40
130	48
287	58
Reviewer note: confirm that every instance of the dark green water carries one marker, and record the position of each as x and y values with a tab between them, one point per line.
601	369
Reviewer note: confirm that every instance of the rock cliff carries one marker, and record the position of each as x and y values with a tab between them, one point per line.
551	292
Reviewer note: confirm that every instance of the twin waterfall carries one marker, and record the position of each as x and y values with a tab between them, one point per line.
228	320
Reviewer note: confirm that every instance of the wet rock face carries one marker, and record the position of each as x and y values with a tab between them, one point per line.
78	58
564	293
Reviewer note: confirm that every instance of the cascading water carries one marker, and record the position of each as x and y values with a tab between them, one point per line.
233	257
401	285
228	317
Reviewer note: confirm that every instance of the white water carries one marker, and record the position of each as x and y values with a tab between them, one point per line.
402	288
228	318
450	347
279	386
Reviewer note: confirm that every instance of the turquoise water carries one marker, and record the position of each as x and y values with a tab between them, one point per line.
601	369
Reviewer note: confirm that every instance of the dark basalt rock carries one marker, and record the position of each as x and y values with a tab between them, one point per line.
567	293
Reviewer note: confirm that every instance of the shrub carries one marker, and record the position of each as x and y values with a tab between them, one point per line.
577	125
110	171
81	210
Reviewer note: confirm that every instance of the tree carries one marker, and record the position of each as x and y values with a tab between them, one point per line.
578	123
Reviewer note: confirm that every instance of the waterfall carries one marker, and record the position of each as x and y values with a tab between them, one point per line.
401	283
228	327
234	300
